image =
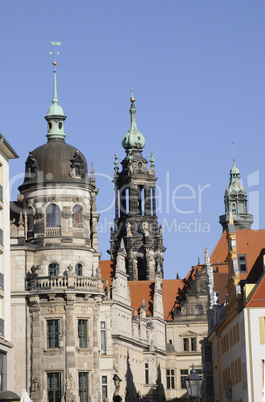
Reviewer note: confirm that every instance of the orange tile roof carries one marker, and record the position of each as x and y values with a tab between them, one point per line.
258	297
220	252
249	242
144	290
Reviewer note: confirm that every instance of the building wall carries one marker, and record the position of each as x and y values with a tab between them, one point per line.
255	353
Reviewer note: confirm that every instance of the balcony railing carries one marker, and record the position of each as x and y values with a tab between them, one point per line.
53	232
63	282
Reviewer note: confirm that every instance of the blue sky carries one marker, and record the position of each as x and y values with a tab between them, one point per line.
198	70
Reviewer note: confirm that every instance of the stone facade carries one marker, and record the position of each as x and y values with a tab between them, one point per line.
79	335
6	153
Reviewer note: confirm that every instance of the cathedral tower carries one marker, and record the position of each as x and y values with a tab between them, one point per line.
235	200
135	209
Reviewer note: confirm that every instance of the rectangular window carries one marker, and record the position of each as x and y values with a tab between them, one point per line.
54	387
146	372
186	344
1	193
82	333
193	344
103	337
183	374
53	334
83	386
1	237
2	371
170	379
242	263
104	388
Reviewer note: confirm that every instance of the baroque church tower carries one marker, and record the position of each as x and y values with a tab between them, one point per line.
135	209
235	201
57	291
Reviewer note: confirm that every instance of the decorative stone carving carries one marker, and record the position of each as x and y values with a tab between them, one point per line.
66	214
31	167
13	229
35	385
128	229
145	228
31	278
54	352
77	165
38	216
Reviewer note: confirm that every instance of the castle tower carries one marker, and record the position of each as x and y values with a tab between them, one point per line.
135	208
57	291
235	200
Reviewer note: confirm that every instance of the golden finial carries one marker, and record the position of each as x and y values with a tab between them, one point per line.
132	98
54	53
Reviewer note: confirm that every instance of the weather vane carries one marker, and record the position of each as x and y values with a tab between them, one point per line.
54	53
234	154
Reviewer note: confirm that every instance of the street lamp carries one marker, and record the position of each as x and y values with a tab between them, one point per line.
193	384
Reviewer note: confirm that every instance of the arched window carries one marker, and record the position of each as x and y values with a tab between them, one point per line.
53	216
79	269
77	216
53	269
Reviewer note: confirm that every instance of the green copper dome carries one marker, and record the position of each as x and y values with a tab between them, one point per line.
133	139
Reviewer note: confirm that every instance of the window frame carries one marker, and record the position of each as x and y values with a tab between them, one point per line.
53	266
54	389
83	390
146	373
79	269
103	337
104	384
53	217
170	374
183	376
82	333
77	222
53	332
242	262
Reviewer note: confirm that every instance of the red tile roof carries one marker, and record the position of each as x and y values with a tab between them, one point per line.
144	290
258	297
249	242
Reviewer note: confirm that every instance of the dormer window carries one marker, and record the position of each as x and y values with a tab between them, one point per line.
242	263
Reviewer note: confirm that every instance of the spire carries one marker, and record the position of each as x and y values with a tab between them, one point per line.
55	115
236	201
133	139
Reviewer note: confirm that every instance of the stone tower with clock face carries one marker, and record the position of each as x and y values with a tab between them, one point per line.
135	209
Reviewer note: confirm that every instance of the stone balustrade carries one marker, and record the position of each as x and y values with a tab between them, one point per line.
64	282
